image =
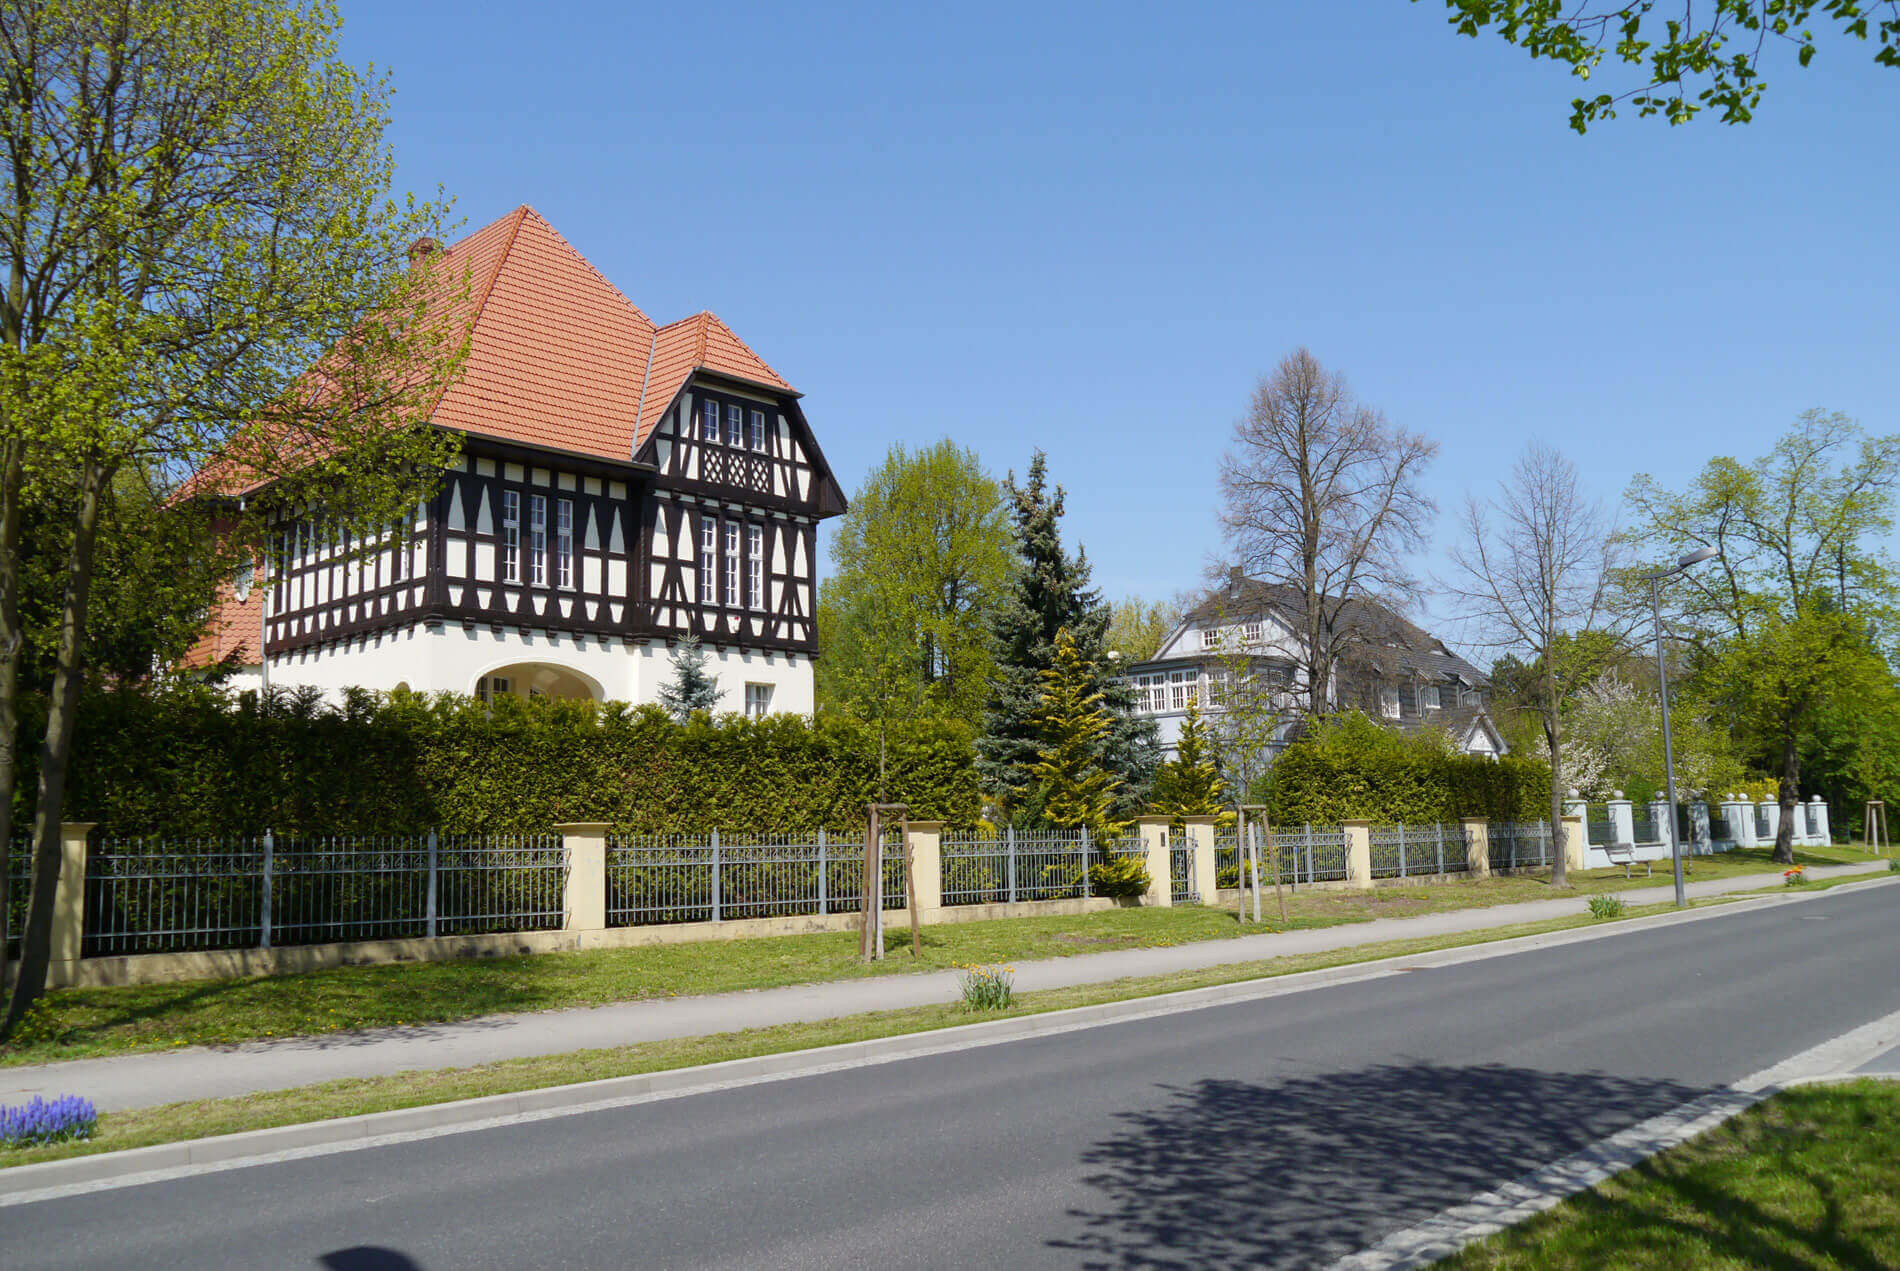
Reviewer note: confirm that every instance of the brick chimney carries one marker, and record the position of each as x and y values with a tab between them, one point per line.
420	248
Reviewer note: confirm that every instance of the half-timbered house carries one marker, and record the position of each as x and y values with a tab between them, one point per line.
621	484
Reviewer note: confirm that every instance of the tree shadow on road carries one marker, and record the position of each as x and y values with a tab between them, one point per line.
1308	1170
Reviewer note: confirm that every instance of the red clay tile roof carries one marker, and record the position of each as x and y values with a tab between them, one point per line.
560	357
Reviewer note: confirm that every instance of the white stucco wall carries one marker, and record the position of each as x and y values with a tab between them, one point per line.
448	657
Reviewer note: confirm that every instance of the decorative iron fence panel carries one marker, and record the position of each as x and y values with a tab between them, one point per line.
1001	869
1719	828
1182	885
1644	827
1519	845
1406	851
1601	831
668	878
168	896
1309	855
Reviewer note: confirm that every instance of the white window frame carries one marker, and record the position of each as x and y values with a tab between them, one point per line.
1210	638
1428	697
511	536
735	425
733	599
755	566
758	700
709	420
537	540
708	559
1389	702
564	543
758	431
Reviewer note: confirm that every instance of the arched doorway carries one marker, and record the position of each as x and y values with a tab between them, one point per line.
536	679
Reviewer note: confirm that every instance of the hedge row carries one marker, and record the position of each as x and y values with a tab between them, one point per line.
193	760
1308	785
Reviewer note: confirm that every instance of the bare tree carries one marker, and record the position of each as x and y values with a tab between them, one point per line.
1321	501
1532	574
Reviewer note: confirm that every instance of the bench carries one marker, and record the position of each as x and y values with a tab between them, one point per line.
1624	854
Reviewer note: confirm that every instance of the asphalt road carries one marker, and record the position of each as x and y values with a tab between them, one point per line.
1288	1131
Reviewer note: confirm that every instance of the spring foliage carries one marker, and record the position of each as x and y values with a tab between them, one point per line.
193	760
1352	769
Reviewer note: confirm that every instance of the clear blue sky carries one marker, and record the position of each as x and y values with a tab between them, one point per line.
1090	228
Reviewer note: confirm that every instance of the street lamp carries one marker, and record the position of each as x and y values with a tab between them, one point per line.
1696	557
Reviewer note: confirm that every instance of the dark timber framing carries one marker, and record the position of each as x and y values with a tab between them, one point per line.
635	540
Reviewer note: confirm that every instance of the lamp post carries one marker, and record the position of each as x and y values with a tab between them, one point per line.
1696	557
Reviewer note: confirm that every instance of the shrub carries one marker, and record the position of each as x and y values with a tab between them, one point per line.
987	988
189	759
1605	907
1341	775
36	1121
1121	877
1893	866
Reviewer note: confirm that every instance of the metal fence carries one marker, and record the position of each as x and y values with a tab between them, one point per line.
1720	830
1406	851
1644	828
667	878
1519	844
988	869
1183	887
13	916
151	895
1601	831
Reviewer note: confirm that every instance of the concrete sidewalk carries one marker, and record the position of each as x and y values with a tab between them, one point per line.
141	1080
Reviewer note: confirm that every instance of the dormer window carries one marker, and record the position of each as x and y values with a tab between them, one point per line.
1428	697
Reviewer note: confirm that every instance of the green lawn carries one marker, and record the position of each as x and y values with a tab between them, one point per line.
81	1023
1809	1178
356	1096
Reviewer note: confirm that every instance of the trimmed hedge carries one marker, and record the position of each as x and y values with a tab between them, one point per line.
193	760
1307	785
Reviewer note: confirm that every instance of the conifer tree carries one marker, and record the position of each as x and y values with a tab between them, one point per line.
692	688
1189	784
1051	591
1073	783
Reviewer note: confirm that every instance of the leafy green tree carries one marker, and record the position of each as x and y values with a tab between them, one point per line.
1719	45
1136	627
1778	623
1049	592
1189	784
197	209
1075	787
691	688
921	563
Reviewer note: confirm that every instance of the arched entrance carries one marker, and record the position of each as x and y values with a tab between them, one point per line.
536	679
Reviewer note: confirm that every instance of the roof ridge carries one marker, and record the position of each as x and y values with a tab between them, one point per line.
577	254
501	259
699	354
740	341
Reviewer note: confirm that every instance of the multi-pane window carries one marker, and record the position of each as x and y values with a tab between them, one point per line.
755	566
709	421
1178	683
564	542
732	565
735	425
538	539
758	700
511	536
758	430
708	560
1389	702
1428	697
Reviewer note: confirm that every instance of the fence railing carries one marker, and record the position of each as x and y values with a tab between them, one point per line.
13	915
1519	844
668	878
988	869
1183	887
151	895
1644	827
1406	851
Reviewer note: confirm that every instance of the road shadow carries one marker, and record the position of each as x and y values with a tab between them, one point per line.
367	1258
1307	1170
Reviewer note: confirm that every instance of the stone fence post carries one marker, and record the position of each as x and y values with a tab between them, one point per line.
924	840
1622	824
1477	847
1820	813
69	905
586	843
1358	852
1576	837
1154	837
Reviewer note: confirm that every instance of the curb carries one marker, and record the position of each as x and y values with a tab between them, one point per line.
23	1184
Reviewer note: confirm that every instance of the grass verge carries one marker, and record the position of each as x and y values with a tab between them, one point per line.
88	1023
354	1096
1808	1178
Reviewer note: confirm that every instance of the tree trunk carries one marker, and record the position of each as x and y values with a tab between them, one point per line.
1559	870
12	645
1790	794
56	752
